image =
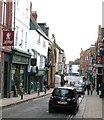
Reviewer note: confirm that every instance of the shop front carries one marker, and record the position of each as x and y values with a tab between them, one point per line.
19	70
36	81
6	64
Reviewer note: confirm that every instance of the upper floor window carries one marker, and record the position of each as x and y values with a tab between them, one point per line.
25	40
41	62
16	38
5	13
17	3
21	44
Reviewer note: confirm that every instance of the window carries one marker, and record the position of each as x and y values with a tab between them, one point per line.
5	13
17	3
63	93
41	61
25	40
21	44
16	38
99	69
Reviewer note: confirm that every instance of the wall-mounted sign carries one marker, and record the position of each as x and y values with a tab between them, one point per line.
8	38
98	59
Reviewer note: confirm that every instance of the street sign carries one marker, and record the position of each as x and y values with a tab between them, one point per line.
8	38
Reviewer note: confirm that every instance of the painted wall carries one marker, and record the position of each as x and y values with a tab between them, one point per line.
21	13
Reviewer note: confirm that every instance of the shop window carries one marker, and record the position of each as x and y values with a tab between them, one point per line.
100	70
33	61
5	13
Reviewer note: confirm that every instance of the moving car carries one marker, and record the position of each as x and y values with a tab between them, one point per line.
64	98
80	89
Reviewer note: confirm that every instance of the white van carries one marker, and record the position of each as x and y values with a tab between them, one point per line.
57	80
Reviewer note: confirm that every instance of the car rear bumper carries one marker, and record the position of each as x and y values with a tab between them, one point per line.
62	107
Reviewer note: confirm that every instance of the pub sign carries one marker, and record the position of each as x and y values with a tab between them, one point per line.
8	38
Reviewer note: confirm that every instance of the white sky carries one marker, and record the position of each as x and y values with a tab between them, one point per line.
74	22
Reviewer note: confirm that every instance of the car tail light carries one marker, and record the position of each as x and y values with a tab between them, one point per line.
51	97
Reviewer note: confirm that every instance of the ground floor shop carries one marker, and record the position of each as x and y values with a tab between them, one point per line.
19	71
5	73
36	81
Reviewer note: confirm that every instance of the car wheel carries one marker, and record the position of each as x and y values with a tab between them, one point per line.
75	111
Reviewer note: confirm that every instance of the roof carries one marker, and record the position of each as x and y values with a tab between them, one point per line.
65	87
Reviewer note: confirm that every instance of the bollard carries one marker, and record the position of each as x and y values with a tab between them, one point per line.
38	92
45	90
21	96
21	92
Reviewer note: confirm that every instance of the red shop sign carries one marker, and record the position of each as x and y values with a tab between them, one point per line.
98	59
8	38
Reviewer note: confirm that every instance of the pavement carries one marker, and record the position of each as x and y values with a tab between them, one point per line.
7	102
91	107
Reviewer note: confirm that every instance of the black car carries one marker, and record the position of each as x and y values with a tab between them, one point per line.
64	98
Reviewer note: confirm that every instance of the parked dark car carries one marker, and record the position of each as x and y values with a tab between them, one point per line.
80	89
64	98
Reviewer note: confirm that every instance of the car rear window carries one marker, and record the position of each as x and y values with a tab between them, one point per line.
63	92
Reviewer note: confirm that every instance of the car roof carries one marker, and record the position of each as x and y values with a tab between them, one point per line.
65	87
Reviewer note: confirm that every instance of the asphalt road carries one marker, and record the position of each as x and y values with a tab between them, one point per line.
37	108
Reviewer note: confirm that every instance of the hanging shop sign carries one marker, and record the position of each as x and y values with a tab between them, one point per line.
8	38
98	59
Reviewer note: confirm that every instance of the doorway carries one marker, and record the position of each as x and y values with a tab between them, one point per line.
5	78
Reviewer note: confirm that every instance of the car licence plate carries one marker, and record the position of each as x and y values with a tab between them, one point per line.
62	102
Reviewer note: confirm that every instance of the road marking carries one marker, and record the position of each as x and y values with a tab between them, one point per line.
69	117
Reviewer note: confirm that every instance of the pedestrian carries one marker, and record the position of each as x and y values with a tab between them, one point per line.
91	88
45	86
21	90
88	88
13	88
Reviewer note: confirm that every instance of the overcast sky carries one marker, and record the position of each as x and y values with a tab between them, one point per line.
74	22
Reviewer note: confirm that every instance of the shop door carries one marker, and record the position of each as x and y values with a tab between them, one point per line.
5	78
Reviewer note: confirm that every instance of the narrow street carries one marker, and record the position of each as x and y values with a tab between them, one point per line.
37	108
90	107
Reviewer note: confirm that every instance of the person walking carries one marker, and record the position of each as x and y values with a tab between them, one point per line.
91	88
45	86
13	88
88	88
21	90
